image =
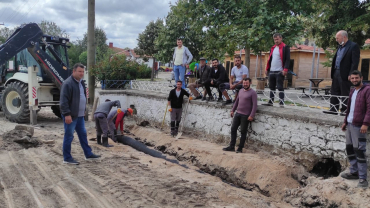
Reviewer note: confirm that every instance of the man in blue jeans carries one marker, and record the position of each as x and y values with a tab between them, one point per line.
181	59
73	106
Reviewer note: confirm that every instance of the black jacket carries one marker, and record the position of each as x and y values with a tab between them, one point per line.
204	74
176	102
220	76
70	97
349	62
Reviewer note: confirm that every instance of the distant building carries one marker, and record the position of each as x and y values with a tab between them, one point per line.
131	55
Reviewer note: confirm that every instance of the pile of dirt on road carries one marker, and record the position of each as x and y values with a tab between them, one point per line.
19	138
333	192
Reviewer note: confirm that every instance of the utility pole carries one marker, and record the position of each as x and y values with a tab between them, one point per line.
91	48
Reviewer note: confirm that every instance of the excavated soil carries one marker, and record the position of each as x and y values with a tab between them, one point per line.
202	176
124	177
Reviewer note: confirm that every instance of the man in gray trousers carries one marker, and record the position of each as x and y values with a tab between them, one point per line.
355	125
101	122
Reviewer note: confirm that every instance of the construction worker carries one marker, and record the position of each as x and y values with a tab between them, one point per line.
101	123
116	118
175	100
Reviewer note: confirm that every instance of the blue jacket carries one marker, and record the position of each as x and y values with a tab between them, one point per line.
70	97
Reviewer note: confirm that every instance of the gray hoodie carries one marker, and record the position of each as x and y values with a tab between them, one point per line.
107	106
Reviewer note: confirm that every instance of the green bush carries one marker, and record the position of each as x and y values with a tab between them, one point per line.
118	68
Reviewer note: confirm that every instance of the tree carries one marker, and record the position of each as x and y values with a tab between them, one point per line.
146	41
100	42
74	52
5	33
328	17
178	24
83	58
51	28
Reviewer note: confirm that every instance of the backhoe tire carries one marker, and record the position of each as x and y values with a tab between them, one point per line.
56	111
15	102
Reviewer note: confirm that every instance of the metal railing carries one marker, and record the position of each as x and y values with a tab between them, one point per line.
292	99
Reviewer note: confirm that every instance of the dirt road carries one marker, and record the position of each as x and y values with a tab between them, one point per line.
124	177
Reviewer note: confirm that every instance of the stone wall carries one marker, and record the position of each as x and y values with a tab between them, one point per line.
296	130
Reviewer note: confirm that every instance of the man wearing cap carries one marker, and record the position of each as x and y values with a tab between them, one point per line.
181	59
101	123
203	73
116	118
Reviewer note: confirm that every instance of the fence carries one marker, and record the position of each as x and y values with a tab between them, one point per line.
292	98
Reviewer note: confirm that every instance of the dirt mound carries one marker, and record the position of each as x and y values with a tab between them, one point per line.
18	139
334	192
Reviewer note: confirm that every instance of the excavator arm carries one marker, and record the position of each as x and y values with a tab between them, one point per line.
30	36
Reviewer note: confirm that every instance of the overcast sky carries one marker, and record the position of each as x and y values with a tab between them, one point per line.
122	20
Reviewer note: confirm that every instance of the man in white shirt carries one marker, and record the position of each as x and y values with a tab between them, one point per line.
355	125
181	59
238	72
277	67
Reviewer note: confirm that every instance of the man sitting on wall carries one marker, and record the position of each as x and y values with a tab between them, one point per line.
238	72
203	73
218	76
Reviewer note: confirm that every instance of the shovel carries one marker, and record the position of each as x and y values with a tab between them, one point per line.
164	117
183	120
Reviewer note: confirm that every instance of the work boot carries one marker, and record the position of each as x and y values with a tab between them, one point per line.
198	97
349	176
220	100
114	136
230	149
227	102
98	139
210	99
239	150
177	127
362	183
105	142
173	128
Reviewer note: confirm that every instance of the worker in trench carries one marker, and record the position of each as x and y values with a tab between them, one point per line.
101	122
175	100
115	118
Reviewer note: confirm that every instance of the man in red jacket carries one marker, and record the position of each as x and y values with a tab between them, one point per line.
116	118
355	125
277	67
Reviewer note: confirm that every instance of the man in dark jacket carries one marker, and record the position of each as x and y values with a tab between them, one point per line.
203	74
355	124
345	61
73	106
175	99
277	67
217	77
101	122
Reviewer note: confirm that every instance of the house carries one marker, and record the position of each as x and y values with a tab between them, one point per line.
301	58
131	55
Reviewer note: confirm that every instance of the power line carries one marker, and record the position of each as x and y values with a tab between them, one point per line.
21	10
11	17
25	16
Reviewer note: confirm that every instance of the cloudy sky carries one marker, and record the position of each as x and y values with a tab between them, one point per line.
122	20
